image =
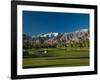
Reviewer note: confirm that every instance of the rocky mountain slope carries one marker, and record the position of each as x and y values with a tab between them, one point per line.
55	38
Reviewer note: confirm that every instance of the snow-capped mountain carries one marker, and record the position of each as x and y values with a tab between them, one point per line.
75	35
54	37
49	35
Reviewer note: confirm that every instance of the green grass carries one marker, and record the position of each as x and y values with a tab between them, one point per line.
57	57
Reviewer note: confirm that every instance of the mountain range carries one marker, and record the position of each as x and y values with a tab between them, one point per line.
55	37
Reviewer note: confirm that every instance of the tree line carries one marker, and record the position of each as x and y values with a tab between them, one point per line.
72	44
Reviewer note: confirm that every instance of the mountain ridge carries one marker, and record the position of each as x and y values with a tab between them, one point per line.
59	38
49	34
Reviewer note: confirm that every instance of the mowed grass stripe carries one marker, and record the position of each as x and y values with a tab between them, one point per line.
55	63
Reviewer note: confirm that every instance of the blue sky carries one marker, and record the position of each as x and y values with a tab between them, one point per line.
42	22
